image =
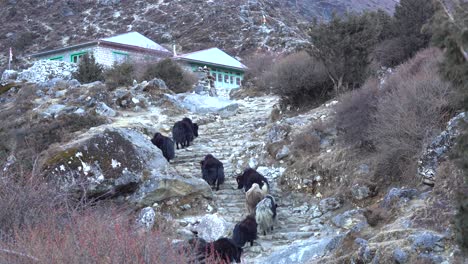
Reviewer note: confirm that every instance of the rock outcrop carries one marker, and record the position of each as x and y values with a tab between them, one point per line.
111	162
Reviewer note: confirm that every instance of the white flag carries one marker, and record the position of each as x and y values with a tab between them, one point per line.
11	55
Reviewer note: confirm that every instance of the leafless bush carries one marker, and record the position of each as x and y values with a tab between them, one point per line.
354	114
259	64
25	200
298	79
410	112
90	236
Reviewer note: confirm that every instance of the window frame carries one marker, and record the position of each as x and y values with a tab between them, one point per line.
78	55
57	58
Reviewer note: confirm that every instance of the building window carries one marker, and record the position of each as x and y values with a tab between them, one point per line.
76	57
232	79
120	57
58	58
226	78
238	81
220	77
214	75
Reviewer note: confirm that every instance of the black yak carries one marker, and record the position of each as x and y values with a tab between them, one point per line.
245	231
183	132
227	250
194	126
249	177
224	249
212	171
253	197
265	214
165	144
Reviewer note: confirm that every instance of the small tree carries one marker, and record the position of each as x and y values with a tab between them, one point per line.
344	45
88	70
409	19
175	77
119	74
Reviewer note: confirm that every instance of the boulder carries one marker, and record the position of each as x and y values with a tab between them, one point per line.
9	75
350	219
211	227
103	110
427	242
147	217
301	252
400	256
109	162
362	191
330	204
396	195
438	149
283	153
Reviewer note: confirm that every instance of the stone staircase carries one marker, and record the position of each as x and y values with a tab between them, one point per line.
228	139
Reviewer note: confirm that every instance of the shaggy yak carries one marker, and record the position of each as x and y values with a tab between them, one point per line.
245	231
165	144
265	214
251	176
212	171
183	132
223	248
253	197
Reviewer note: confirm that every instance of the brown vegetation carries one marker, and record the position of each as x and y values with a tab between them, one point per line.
299	80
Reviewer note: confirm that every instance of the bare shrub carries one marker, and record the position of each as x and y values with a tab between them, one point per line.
299	80
91	236
119	75
410	112
25	200
258	64
176	78
354	114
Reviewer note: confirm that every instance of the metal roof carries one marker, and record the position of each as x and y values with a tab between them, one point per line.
135	39
213	56
131	40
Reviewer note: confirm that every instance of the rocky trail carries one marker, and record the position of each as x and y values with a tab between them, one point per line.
229	139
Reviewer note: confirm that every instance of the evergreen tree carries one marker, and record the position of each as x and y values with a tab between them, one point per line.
88	70
450	32
344	45
409	19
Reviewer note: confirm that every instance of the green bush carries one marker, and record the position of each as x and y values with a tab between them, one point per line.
176	78
119	75
299	80
344	46
88	70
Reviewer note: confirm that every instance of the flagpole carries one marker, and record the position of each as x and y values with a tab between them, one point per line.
9	60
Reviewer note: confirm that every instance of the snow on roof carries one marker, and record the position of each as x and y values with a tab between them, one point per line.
135	39
213	56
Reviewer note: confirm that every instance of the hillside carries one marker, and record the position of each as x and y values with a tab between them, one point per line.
235	26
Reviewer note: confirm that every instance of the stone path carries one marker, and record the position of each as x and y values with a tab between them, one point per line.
228	139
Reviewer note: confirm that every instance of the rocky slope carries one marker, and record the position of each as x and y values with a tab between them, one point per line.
317	222
235	26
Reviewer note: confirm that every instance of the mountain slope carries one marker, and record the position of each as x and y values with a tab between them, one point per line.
233	25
